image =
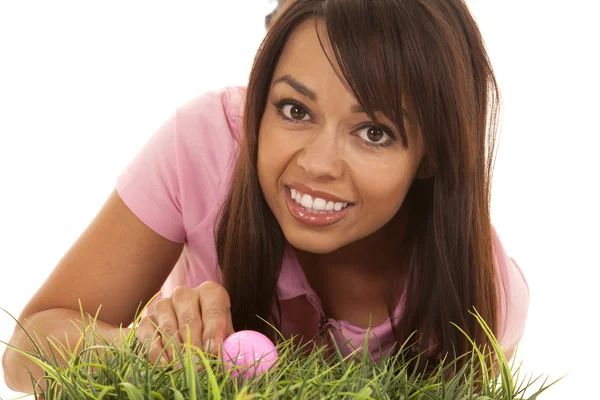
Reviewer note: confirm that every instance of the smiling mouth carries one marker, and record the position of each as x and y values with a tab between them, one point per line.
316	205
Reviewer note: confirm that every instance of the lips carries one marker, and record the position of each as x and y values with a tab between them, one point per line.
314	207
304	189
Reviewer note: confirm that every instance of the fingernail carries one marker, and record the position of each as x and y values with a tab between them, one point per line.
164	361
207	345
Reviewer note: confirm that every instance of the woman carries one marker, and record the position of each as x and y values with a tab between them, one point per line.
348	186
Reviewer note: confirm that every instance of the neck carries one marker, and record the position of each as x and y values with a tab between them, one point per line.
359	271
374	255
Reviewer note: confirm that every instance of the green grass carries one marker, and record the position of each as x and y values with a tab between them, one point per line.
125	373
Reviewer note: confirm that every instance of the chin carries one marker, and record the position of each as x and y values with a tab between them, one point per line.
314	244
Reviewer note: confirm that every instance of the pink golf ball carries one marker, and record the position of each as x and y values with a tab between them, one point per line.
251	350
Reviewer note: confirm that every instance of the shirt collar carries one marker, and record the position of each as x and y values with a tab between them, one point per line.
292	280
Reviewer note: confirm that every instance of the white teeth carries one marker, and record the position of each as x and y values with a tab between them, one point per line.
316	205
307	201
319	204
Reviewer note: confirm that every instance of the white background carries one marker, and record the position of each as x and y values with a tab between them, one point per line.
83	86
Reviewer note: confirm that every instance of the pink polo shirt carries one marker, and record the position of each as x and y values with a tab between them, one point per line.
176	184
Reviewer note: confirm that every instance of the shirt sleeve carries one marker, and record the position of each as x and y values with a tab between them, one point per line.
172	183
514	299
150	187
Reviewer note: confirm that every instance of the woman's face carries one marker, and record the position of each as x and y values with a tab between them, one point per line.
330	175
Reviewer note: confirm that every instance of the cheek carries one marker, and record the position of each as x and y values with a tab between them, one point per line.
273	156
385	197
263	163
383	187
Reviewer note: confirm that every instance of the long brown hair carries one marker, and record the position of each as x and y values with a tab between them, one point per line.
431	52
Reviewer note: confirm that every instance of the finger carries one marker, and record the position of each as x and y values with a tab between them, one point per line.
229	330
150	339
168	327
157	353
215	308
187	308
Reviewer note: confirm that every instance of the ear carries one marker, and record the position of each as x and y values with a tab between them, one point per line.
425	171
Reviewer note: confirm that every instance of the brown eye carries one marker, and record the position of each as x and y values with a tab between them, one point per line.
374	135
295	112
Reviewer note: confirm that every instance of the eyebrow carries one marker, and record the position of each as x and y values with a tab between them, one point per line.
309	93
297	86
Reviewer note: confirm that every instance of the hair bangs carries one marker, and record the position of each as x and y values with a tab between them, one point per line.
365	43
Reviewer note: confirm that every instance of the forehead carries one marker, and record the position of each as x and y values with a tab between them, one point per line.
309	56
304	50
307	60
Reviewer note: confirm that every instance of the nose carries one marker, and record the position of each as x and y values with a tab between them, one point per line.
321	157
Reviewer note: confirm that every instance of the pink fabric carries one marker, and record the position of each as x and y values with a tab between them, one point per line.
176	184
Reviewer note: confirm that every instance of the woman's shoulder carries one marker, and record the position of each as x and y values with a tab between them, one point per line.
208	129
173	182
514	296
215	107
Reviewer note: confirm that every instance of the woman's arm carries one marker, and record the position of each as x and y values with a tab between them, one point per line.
118	262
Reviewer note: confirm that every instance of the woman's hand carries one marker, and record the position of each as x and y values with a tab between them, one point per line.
205	309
